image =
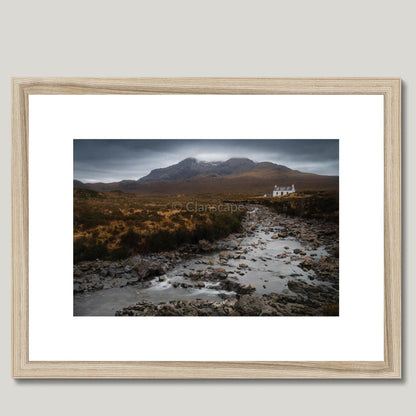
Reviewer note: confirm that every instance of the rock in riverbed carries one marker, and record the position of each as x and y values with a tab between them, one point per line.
245	305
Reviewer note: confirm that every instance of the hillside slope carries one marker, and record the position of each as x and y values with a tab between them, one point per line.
241	175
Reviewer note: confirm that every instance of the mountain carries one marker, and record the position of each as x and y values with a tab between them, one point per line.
191	167
237	175
79	184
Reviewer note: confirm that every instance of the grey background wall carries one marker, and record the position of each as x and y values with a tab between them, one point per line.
299	38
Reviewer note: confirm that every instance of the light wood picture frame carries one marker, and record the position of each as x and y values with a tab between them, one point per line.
390	367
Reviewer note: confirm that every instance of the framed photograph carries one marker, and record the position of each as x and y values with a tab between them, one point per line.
206	228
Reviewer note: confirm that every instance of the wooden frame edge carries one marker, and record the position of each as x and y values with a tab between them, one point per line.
392	228
389	368
20	217
207	370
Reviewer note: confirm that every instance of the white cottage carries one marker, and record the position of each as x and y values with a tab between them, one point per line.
283	190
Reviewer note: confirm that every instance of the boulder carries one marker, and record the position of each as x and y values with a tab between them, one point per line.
250	305
84	267
204	245
307	264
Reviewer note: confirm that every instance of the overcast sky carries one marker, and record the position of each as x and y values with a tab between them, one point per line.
114	160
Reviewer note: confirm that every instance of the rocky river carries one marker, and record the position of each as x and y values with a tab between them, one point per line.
276	266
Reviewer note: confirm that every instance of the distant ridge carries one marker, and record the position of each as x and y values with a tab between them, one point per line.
236	175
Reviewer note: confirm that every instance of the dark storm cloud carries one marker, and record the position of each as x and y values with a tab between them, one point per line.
114	160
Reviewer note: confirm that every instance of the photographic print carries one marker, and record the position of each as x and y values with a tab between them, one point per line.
206	227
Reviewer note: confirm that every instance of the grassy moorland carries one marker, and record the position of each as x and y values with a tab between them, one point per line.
322	205
114	225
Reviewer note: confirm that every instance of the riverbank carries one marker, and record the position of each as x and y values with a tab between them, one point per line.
277	266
